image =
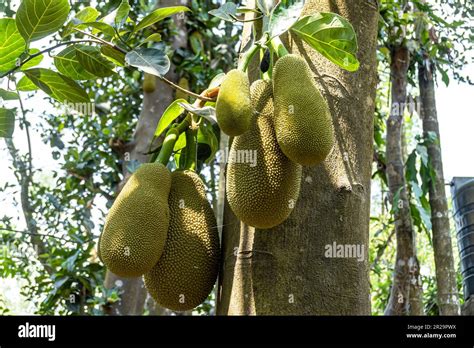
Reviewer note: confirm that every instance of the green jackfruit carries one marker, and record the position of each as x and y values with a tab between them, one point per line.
233	107
136	227
303	124
149	83
262	193
187	271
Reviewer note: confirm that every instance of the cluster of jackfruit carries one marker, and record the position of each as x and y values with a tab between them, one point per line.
290	126
161	226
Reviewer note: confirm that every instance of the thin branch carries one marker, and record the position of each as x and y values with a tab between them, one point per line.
34	234
162	78
28	138
49	49
175	86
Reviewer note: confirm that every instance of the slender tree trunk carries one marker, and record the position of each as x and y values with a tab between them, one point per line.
448	301
406	284
284	270
24	177
154	104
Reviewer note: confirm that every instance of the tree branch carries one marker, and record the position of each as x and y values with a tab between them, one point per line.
34	234
24	181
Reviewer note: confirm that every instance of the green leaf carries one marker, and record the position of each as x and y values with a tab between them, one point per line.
180	156
37	19
34	62
423	152
25	85
226	12
68	64
196	42
93	61
283	16
158	15
7	123
8	95
58	86
122	14
180	143
88	14
332	36
99	27
207	112
12	44
113	55
444	76
151	60
156	37
170	114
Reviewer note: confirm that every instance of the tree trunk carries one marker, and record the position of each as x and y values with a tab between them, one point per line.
406	285
154	104
284	270
448	301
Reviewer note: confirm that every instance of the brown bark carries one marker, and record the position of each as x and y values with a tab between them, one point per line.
448	302
154	104
406	283
284	270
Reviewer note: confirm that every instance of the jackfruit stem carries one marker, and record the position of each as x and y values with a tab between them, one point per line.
278	46
247	57
168	145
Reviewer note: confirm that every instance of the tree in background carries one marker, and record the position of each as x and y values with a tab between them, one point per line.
420	23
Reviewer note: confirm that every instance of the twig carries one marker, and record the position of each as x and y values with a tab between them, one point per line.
28	138
175	86
34	234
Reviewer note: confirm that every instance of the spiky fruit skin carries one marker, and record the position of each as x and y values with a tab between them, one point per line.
233	107
185	275
303	124
264	195
149	83
136	227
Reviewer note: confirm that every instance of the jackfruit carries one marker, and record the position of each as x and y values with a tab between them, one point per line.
263	193
136	227
183	83
187	271
303	124
149	83
233	107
